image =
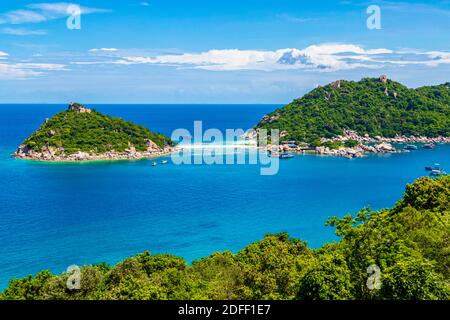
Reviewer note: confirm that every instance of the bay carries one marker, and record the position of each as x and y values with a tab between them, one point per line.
56	215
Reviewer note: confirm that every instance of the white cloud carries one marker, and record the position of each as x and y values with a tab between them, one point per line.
40	12
22	32
10	72
104	50
24	70
41	66
323	58
60	8
438	58
22	16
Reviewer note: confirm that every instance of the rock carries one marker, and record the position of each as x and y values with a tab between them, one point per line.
80	156
384	78
131	150
73	106
336	84
151	146
384	147
270	119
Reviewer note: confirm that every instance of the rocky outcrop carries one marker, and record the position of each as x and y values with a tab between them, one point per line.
58	155
78	108
336	84
400	139
270	119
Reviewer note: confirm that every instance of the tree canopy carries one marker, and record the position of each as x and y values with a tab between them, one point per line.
378	107
410	244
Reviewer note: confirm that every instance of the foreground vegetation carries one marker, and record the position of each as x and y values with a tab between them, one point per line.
410	243
377	107
73	131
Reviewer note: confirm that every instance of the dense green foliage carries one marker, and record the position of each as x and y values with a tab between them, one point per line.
409	243
369	106
91	132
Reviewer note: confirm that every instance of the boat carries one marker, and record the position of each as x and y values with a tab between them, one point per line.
164	162
437	166
286	156
429	146
438	172
411	147
154	164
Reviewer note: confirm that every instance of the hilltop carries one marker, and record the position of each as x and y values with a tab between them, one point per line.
80	134
372	107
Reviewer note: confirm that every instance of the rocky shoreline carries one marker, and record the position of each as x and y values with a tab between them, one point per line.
52	155
365	145
400	139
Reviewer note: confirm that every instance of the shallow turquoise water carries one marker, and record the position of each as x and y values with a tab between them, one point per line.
56	215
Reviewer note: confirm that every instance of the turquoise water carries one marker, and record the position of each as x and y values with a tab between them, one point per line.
56	215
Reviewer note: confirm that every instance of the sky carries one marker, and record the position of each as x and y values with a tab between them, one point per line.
216	51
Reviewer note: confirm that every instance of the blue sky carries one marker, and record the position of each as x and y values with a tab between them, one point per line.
194	51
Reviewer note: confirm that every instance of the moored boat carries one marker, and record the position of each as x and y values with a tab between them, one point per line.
429	146
437	166
411	147
286	156
438	172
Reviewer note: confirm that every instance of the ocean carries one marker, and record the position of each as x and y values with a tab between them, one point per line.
56	215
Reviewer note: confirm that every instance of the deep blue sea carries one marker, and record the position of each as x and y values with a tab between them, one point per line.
56	215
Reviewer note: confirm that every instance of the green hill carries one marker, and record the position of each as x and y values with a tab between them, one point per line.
410	244
80	129
374	106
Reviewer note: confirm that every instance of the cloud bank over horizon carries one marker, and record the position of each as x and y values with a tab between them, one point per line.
315	58
321	57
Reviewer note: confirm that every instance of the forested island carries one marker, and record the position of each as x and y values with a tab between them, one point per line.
410	244
372	106
350	114
83	134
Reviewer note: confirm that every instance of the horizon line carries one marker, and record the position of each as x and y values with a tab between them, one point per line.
137	104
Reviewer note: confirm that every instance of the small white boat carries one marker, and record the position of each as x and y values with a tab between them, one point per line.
438	172
154	164
164	162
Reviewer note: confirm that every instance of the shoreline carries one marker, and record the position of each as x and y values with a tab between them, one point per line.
93	158
381	145
367	145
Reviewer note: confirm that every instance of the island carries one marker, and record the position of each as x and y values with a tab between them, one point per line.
352	118
83	134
